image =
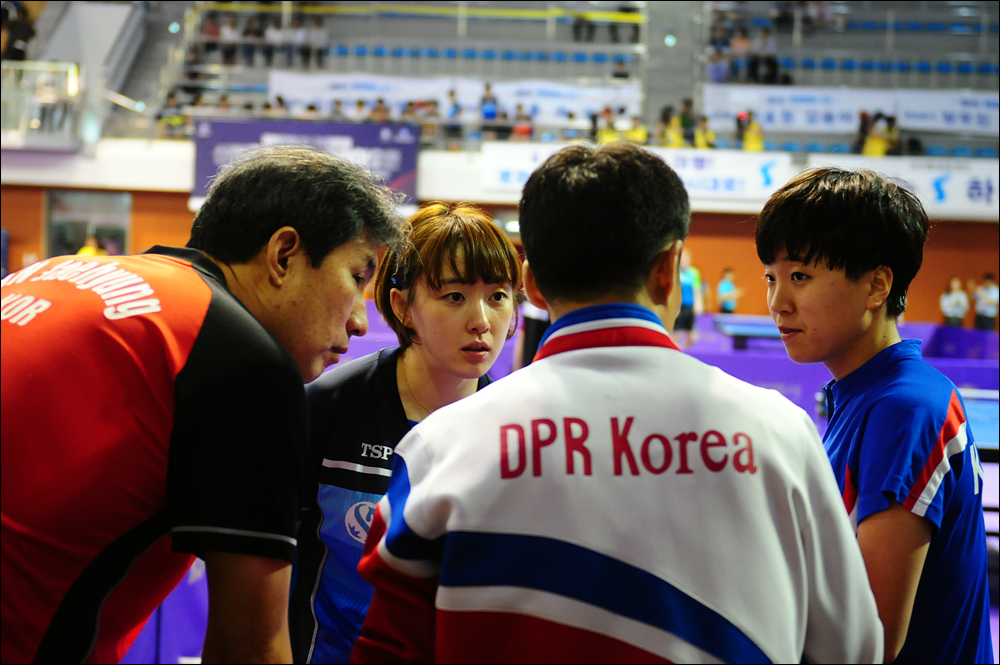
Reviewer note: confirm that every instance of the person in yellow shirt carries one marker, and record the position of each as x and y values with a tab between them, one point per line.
606	132
753	135
877	142
638	133
674	136
92	247
703	136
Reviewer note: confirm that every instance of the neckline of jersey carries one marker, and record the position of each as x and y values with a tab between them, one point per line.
868	374
646	329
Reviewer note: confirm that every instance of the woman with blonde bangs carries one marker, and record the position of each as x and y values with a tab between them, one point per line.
449	296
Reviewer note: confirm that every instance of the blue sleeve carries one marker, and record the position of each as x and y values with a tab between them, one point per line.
906	453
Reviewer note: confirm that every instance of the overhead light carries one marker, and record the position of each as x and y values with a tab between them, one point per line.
174	28
513	226
670	40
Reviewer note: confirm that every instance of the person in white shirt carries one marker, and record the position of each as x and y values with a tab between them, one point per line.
274	37
987	296
954	303
319	41
616	500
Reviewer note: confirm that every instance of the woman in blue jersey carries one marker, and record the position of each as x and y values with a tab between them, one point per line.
449	297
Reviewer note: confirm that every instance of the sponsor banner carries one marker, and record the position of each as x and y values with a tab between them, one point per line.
389	151
837	110
544	101
722	175
948	188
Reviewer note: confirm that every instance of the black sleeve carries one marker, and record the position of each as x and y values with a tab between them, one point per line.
238	450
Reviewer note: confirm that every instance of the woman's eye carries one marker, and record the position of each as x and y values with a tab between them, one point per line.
798	276
500	296
768	278
453	297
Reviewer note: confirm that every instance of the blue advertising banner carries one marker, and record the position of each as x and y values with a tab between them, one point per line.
389	151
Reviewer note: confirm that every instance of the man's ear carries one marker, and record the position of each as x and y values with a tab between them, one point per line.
531	289
284	244
880	286
663	278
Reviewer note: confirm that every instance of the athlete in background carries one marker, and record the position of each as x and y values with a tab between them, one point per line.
616	500
153	411
839	250
449	296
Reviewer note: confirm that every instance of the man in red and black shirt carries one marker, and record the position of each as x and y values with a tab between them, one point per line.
153	411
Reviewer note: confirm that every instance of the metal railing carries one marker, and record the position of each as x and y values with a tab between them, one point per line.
41	98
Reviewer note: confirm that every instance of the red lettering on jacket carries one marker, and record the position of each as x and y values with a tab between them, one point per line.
522	457
743	458
619	439
575	444
668	454
682	445
538	442
713	439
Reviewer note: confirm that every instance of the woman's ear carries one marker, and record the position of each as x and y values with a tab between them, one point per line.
400	306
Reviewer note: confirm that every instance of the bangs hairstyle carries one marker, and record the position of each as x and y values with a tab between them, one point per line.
855	221
439	235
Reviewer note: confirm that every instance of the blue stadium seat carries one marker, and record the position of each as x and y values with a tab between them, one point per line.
986	152
808	63
559	56
341	51
600	58
828	64
840	148
944	67
787	63
815	146
537	56
966	68
853	25
761	22
936	151
961	28
961	151
450	53
470	54
580	57
914	26
922	66
489	54
984	67
509	55
849	65
936	26
722	144
429	53
904	65
737	145
791	146
623	57
361	51
548	137
399	52
872	25
380	51
770	145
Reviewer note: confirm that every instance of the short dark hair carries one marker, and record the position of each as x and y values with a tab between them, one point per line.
594	219
328	200
853	221
438	234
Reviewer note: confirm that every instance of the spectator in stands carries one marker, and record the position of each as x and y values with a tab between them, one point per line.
430	121
583	29
296	40
252	34
727	293
576	128
229	36
92	247
692	302
274	37
687	119
223	104
876	142
319	42
489	107
409	113
673	133
248	109
637	133
337	112
892	136
621	70
753	135
523	127
716	70
987	297
311	113
704	137
762	66
171	117
210	33
864	126
739	52
360	113
954	303
380	112
720	39
606	130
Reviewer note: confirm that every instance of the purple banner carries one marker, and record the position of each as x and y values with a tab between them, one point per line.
389	151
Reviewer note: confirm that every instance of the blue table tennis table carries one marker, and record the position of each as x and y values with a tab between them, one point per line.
742	327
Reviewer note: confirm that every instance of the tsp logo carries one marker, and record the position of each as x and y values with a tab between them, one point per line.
359	519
